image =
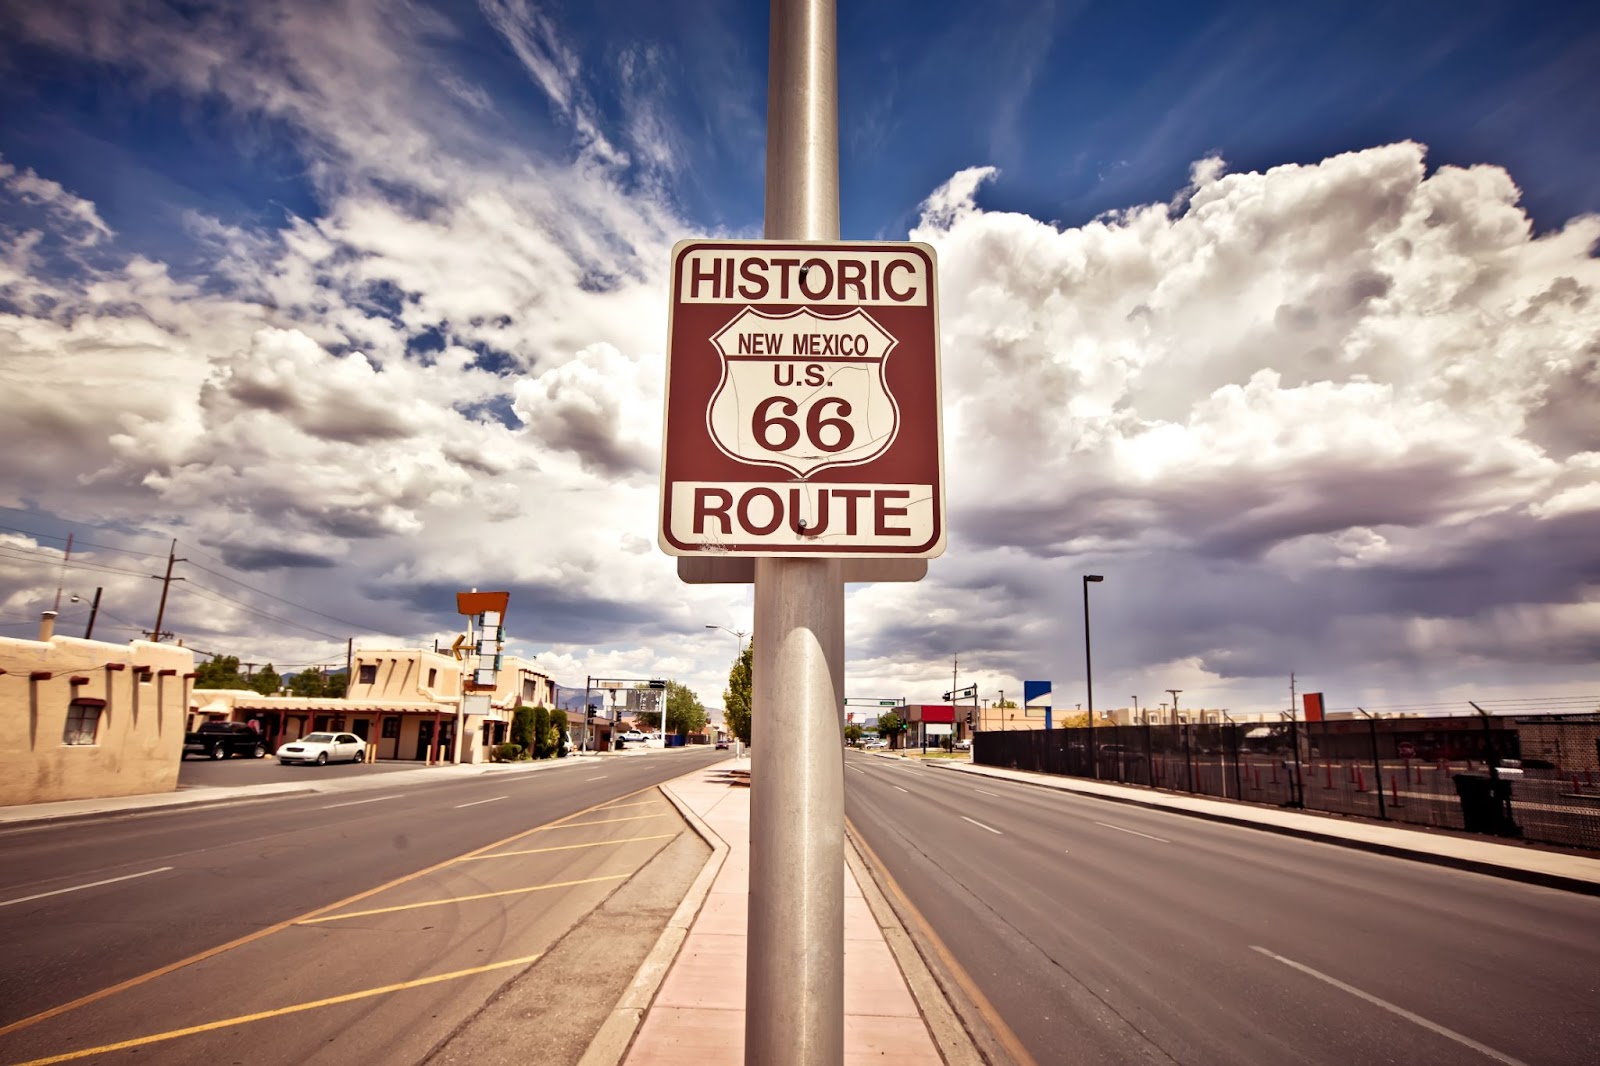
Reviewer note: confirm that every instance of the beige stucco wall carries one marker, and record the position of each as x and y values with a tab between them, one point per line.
140	739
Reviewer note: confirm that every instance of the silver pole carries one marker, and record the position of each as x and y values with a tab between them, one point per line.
794	995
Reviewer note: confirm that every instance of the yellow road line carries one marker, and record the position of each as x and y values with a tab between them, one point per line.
567	847
997	1026
464	899
162	971
615	806
278	1012
603	821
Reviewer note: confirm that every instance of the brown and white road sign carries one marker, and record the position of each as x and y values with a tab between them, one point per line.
802	401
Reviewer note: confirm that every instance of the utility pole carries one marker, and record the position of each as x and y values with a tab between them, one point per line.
65	559
166	583
349	669
94	612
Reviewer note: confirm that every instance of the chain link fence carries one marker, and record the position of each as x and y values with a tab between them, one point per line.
1536	779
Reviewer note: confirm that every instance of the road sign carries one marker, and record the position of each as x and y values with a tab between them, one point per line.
962	693
803	407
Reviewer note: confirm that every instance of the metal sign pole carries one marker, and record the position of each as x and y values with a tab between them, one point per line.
795	968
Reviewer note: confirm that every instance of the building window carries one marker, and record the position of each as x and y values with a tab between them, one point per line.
433	676
369	673
83	724
391	728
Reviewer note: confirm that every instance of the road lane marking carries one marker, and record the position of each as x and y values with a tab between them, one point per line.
603	821
1449	1034
914	773
903	790
1135	832
980	825
858	770
986	792
278	1012
602	777
568	847
357	803
278	927
998	1028
618	806
464	899
474	803
80	888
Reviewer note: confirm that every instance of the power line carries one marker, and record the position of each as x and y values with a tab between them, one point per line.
280	599
206	592
103	547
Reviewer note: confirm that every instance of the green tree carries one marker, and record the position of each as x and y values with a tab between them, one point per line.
267	682
853	733
685	713
522	728
541	732
890	726
558	722
736	699
220	672
311	683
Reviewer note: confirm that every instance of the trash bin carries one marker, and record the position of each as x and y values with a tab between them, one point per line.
1486	805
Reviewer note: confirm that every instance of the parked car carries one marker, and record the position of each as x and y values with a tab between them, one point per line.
224	740
633	736
963	745
323	748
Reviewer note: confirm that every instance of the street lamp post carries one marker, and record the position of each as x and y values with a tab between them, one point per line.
1088	670
739	635
1135	708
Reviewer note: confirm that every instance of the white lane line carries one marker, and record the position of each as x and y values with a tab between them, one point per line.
1449	1034
1135	832
357	803
475	803
602	777
902	790
861	772
980	825
986	792
914	773
79	888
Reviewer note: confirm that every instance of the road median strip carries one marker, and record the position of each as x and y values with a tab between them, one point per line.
465	899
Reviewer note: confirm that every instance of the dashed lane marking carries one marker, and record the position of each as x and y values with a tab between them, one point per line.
475	803
80	888
980	825
1134	832
1433	1027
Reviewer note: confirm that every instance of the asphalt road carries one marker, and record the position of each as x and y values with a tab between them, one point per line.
87	905
1104	932
208	773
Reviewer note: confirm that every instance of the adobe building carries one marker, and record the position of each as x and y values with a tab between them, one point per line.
406	702
85	719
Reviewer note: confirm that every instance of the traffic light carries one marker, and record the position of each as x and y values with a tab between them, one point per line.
969	719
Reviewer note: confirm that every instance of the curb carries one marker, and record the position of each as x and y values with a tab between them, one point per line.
616	1033
949	1036
1398	851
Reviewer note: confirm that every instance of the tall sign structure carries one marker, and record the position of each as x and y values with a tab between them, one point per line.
802	441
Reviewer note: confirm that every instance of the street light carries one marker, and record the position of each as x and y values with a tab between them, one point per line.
1088	672
739	634
1135	708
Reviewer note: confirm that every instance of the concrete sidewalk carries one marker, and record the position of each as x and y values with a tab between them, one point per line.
1551	868
698	1014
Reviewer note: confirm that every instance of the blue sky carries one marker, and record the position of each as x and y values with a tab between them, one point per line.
1248	306
1085	107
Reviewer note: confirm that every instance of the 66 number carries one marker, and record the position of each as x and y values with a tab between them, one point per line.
764	423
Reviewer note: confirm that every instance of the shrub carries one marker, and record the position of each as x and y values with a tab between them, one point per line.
541	733
506	752
522	727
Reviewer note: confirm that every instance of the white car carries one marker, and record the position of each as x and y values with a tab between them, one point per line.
633	736
323	748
